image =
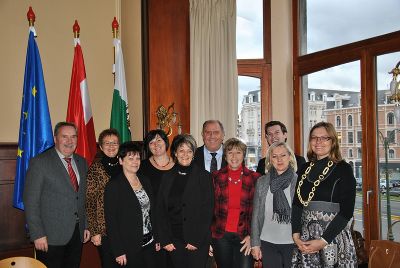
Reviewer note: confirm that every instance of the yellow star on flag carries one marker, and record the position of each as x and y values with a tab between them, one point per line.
26	115
34	91
19	152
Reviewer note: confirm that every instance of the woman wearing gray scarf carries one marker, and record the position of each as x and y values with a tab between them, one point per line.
271	233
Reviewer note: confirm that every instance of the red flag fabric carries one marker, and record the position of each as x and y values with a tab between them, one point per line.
79	110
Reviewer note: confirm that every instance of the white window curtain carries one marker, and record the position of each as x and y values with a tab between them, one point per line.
213	65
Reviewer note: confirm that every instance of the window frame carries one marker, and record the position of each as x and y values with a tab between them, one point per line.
366	52
261	68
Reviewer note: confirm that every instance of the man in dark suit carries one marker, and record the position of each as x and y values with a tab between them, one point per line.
54	199
209	156
276	131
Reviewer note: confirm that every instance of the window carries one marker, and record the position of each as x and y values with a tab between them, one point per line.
339	136
249	29
390	134
363	77
390	118
391	153
253	47
350	137
327	30
350	153
359	136
338	121
349	120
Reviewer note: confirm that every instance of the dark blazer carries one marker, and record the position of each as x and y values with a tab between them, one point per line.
51	204
199	158
261	164
197	202
123	215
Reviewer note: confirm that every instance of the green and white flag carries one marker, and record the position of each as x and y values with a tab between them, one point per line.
119	111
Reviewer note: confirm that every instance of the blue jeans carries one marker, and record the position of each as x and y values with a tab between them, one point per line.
227	252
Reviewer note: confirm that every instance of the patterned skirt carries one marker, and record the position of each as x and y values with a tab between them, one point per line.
339	253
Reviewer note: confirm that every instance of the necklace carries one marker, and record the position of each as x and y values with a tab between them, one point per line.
161	166
135	184
112	164
316	183
236	181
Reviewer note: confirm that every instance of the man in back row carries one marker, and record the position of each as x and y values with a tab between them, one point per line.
276	131
209	156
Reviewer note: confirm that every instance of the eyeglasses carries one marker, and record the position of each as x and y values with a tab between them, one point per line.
110	143
320	139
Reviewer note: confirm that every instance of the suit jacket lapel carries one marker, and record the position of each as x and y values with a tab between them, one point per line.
62	171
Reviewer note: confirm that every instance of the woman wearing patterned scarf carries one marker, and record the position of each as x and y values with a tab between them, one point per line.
271	237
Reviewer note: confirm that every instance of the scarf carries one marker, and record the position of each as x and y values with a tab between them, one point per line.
111	165
281	208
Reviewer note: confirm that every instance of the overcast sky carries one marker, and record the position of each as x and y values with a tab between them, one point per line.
330	23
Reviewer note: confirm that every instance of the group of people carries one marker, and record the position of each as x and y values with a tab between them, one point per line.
196	206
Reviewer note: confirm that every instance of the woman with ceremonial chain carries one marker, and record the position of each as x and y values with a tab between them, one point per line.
323	204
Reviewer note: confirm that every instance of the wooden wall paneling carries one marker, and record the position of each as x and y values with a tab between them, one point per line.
168	60
12	221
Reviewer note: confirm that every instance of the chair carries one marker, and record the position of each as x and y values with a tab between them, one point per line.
384	254
21	262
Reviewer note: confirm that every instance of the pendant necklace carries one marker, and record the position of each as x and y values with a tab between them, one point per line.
236	181
161	166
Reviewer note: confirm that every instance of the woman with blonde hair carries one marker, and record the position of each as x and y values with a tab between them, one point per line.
271	237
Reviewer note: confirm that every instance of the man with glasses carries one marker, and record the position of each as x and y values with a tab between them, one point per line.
276	131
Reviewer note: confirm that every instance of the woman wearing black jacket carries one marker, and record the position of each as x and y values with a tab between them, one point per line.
184	207
129	207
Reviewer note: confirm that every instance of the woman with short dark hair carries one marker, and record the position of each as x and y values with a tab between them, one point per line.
99	173
184	207
234	187
158	163
129	212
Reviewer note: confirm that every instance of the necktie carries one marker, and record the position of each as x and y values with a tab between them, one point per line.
213	166
72	175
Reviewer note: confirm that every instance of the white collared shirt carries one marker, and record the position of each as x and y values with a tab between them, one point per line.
208	157
74	167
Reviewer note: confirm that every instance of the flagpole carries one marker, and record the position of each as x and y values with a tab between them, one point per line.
115	31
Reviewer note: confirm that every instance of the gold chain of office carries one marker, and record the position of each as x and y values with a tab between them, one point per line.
316	183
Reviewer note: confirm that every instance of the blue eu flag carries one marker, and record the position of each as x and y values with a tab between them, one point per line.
35	132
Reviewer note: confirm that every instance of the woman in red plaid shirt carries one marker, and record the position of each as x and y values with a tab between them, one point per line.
233	191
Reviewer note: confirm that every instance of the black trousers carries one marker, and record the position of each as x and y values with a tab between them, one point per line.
183	258
227	252
106	257
145	258
66	256
276	255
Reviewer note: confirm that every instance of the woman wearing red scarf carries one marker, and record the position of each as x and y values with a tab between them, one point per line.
233	191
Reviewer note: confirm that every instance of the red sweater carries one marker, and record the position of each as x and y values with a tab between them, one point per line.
221	207
235	188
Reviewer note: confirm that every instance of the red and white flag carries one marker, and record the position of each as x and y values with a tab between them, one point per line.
79	110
